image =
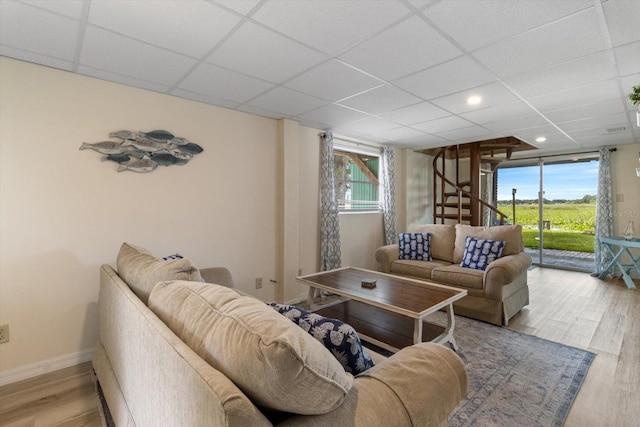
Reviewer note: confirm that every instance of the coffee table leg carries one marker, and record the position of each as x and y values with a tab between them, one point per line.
451	323
312	295
417	331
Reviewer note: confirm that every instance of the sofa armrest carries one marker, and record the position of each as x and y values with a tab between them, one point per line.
385	255
418	386
217	276
503	271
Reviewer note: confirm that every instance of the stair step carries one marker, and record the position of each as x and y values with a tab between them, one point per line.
454	205
454	194
465	217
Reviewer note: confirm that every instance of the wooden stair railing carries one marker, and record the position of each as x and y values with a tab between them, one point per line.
467	200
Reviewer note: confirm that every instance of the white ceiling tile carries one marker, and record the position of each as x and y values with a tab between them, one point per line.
200	97
622	18
498	112
568	38
533	132
330	26
117	54
36	58
468	134
224	84
507	126
400	134
628	58
603	140
367	126
403	49
243	6
260	112
70	8
442	124
474	23
492	94
332	114
426	141
286	101
259	52
31	29
380	100
122	79
599	124
417	113
601	91
333	80
453	76
576	73
191	28
585	111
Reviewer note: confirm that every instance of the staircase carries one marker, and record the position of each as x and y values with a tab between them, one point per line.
457	179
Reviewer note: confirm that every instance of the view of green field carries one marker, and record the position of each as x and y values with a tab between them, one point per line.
572	224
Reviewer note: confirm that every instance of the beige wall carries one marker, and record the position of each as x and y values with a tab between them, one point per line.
64	212
624	162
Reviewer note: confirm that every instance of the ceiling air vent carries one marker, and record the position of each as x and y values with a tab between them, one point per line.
616	129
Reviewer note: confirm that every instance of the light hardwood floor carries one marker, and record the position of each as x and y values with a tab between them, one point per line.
568	307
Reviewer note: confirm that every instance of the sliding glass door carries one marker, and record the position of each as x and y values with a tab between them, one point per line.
554	201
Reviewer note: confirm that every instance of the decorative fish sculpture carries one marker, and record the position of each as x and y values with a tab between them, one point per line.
133	151
119	157
143	144
157	135
138	165
164	159
191	148
122	134
178	140
182	155
104	147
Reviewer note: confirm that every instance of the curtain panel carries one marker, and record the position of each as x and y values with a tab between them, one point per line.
604	210
330	256
387	175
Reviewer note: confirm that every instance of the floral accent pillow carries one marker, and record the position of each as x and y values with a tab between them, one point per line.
338	337
479	253
415	246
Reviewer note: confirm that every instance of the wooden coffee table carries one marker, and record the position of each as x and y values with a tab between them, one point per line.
391	315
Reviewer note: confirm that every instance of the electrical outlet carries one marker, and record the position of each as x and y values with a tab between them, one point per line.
258	282
4	334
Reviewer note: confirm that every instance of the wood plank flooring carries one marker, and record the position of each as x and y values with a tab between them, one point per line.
568	307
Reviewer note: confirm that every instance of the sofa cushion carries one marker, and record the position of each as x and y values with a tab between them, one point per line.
339	338
414	246
274	362
511	234
458	276
418	269
441	240
141	270
479	253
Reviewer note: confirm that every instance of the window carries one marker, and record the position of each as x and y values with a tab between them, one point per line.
357	185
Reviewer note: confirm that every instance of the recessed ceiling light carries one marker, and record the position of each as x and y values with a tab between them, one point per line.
474	100
541	139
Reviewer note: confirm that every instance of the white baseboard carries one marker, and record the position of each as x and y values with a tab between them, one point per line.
45	366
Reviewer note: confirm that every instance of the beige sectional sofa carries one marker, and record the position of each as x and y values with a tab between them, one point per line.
495	294
175	351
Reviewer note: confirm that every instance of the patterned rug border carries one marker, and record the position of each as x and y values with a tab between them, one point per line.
474	401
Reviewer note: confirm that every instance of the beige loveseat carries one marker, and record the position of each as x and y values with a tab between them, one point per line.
175	351
495	294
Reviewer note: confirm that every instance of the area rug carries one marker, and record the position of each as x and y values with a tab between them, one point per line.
515	379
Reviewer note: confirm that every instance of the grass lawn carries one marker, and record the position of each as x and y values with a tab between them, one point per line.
562	240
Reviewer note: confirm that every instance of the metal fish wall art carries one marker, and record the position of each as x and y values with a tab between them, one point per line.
144	151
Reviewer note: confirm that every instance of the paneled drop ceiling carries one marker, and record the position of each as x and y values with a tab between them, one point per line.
385	71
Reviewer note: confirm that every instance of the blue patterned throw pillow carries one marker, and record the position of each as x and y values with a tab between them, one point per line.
479	253
415	246
172	257
338	337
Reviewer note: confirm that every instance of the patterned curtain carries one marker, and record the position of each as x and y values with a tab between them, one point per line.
387	178
330	256
604	209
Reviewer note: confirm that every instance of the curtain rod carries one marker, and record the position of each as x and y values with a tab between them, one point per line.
562	155
352	140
